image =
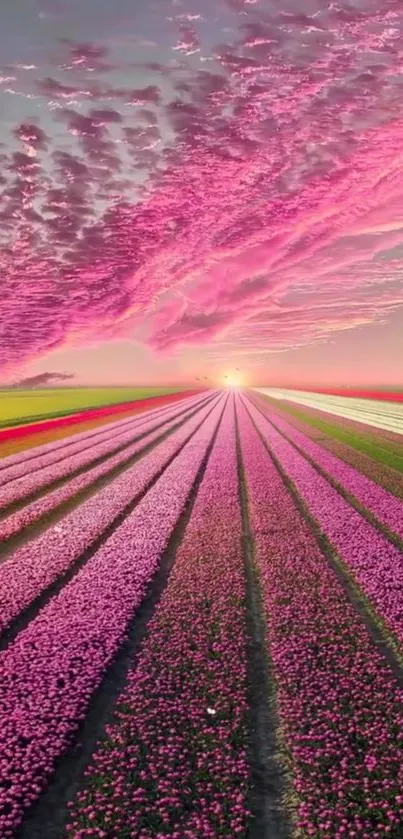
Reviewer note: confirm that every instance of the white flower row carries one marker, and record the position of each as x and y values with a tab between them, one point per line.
374	412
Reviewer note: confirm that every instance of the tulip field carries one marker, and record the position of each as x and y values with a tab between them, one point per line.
201	626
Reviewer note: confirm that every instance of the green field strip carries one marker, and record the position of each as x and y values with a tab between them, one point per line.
21	408
386	455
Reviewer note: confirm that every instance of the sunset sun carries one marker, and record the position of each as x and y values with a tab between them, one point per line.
232	380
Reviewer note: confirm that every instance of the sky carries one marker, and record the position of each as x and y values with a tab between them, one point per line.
192	188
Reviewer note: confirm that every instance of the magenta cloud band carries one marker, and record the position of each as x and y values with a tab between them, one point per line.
249	190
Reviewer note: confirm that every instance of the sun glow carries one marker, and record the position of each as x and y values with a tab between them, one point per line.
232	380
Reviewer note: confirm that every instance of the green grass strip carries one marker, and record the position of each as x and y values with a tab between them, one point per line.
22	407
385	453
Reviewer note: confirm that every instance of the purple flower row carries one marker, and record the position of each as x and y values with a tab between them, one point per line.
376	564
19	488
174	763
385	438
36	565
31	460
385	506
340	707
378	472
28	455
36	510
48	674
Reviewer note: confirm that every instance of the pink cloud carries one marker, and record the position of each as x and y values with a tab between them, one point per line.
58	90
199	214
142	96
87	56
32	135
189	43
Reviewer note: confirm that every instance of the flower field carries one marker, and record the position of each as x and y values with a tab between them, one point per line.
201	631
385	413
18	406
21	428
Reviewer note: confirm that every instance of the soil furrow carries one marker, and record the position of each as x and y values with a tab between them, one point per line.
268	776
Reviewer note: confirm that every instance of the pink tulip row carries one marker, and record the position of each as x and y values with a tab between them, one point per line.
376	565
391	440
174	763
382	504
32	459
36	510
36	565
380	473
20	488
49	673
33	453
340	707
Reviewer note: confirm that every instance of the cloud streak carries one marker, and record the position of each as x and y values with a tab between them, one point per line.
196	207
42	379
